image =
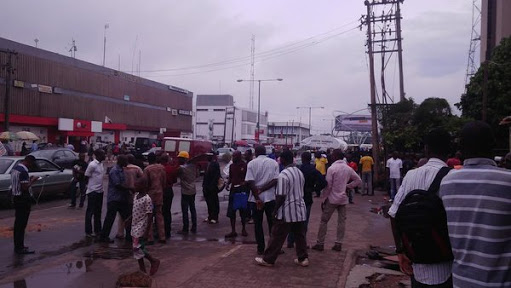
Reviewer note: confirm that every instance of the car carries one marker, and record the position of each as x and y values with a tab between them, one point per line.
143	144
54	179
154	150
221	151
63	157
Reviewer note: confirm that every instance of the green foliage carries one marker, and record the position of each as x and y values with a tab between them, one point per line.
498	88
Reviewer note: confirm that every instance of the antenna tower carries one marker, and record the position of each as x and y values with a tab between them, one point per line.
475	42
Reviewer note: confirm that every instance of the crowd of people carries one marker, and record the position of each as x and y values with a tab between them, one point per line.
475	195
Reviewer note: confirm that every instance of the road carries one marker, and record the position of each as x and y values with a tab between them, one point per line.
65	258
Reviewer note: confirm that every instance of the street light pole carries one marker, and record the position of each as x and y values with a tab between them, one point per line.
310	115
258	124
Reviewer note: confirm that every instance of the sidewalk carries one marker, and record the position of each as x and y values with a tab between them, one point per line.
208	260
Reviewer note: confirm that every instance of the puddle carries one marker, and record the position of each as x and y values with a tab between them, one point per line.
59	276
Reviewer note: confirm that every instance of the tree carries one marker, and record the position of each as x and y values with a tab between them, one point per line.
431	113
398	131
498	87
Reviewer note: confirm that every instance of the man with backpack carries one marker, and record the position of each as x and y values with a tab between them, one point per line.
418	219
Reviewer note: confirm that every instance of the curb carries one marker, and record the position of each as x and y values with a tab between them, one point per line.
348	264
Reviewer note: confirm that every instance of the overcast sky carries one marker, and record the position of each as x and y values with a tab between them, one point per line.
328	70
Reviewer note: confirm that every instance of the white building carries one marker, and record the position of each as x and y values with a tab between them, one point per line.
219	120
287	133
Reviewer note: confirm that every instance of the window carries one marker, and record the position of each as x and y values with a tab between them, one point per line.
44	165
4	165
170	146
202	110
184	146
219	110
69	154
58	155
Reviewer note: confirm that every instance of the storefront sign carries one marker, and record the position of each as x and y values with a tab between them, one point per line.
19	84
185	112
45	89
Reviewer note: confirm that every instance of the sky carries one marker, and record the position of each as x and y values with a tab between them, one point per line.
314	46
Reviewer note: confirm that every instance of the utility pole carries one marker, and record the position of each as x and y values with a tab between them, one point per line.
9	69
310	115
252	72
400	51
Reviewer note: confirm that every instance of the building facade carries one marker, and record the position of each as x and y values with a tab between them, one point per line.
219	120
495	25
60	99
287	134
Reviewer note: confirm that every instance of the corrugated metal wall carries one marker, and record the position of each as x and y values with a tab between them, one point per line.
106	83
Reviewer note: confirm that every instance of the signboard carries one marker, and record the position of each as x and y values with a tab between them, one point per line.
45	89
174	112
177	89
66	124
126	97
96	127
19	84
185	112
359	123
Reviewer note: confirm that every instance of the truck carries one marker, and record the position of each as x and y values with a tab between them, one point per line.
197	149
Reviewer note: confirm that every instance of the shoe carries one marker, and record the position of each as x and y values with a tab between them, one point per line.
259	261
80	206
193	230
290	245
260	252
231	235
90	235
182	232
206	220
244	233
106	240
251	221
162	241
213	221
351	202
337	247
304	263
318	247
281	252
24	251
71	206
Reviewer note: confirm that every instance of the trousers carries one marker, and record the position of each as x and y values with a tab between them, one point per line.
94	206
258	222
325	217
112	208
213	203
22	209
278	236
168	195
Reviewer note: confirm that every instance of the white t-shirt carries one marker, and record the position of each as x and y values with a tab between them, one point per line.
262	170
394	166
141	207
95	171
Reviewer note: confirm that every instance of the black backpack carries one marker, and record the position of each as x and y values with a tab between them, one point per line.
421	221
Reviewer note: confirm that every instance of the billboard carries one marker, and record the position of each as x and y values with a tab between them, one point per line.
359	123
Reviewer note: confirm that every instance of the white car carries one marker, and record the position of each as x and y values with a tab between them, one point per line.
222	151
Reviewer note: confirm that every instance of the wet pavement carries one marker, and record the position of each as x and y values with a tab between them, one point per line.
65	258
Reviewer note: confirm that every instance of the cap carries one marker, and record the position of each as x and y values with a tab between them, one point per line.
183	154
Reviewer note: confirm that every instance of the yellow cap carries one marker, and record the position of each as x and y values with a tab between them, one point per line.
183	154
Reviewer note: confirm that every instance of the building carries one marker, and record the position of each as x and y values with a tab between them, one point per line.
63	99
495	25
288	134
219	120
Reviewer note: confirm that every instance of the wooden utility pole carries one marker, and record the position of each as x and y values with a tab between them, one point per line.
374	119
400	52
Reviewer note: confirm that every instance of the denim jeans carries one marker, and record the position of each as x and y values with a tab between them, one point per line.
94	206
188	202
72	192
395	183
258	222
367	183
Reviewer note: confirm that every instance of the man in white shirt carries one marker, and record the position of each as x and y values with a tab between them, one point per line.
424	275
262	176
394	166
94	175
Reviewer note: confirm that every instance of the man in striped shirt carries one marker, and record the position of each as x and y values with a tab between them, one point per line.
477	199
20	193
437	144
290	214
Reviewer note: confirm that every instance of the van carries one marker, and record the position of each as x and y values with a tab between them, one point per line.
196	148
143	144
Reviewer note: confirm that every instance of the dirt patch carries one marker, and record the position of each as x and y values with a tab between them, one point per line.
6	232
385	281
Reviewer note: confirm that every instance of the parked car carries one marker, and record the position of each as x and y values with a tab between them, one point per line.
142	144
154	150
222	151
63	157
55	180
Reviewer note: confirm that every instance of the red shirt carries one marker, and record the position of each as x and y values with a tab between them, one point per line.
353	166
171	173
453	162
237	172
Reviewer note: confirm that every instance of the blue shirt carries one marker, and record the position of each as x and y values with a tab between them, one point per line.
19	175
115	178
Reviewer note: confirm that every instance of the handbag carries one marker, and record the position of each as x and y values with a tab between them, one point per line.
239	201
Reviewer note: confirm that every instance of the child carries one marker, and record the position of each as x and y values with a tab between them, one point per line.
141	219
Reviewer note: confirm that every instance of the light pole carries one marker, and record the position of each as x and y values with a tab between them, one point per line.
104	44
259	101
310	114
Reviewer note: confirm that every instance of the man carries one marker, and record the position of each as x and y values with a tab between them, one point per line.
454	161
210	189
8	147
94	177
477	200
321	165
168	192
132	173
34	146
156	176
236	184
394	166
248	156
117	199
21	200
437	144
314	181
339	177
290	214
262	176
187	174
353	165
366	165
79	167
